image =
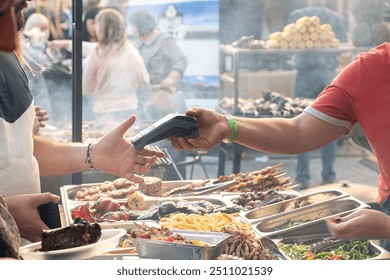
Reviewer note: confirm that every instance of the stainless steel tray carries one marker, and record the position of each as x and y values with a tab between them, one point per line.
150	203
277	209
68	208
232	196
68	191
380	252
312	218
214	199
156	249
167	186
120	253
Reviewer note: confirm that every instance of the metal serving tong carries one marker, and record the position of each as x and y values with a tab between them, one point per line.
326	244
274	249
204	190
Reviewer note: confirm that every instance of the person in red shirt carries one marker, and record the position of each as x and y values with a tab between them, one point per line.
359	94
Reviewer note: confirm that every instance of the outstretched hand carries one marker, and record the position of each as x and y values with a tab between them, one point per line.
116	155
213	128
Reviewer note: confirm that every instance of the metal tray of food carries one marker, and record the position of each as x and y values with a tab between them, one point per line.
167	186
290	205
214	199
124	248
93	191
308	221
156	249
69	208
68	192
150	204
299	249
252	200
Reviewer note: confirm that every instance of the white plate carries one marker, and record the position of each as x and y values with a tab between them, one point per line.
108	241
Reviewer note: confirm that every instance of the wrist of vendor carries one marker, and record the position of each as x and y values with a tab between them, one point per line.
88	157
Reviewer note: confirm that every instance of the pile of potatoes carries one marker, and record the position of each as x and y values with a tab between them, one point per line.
306	33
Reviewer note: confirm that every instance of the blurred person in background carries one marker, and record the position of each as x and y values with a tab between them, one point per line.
67	25
114	71
89	30
27	157
35	37
277	12
89	4
166	63
89	39
163	58
89	42
57	12
316	70
120	5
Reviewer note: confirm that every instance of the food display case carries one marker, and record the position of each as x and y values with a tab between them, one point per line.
217	218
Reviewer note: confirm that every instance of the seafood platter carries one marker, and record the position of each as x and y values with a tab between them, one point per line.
243	216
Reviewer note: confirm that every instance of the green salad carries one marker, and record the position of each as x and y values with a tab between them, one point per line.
351	250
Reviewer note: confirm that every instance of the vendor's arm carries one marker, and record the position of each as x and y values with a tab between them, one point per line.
111	154
361	224
273	135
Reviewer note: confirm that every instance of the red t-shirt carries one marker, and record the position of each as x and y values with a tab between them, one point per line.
361	93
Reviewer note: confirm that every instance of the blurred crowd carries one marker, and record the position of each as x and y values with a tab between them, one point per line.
112	89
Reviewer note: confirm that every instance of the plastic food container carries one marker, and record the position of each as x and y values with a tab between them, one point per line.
156	249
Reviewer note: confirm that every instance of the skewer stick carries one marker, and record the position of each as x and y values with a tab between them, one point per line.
292	187
281	174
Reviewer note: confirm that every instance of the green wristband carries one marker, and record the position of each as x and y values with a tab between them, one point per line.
233	129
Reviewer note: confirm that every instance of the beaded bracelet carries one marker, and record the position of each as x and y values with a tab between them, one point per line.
88	157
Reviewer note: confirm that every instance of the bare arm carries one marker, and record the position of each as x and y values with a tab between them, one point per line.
286	136
56	158
273	135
